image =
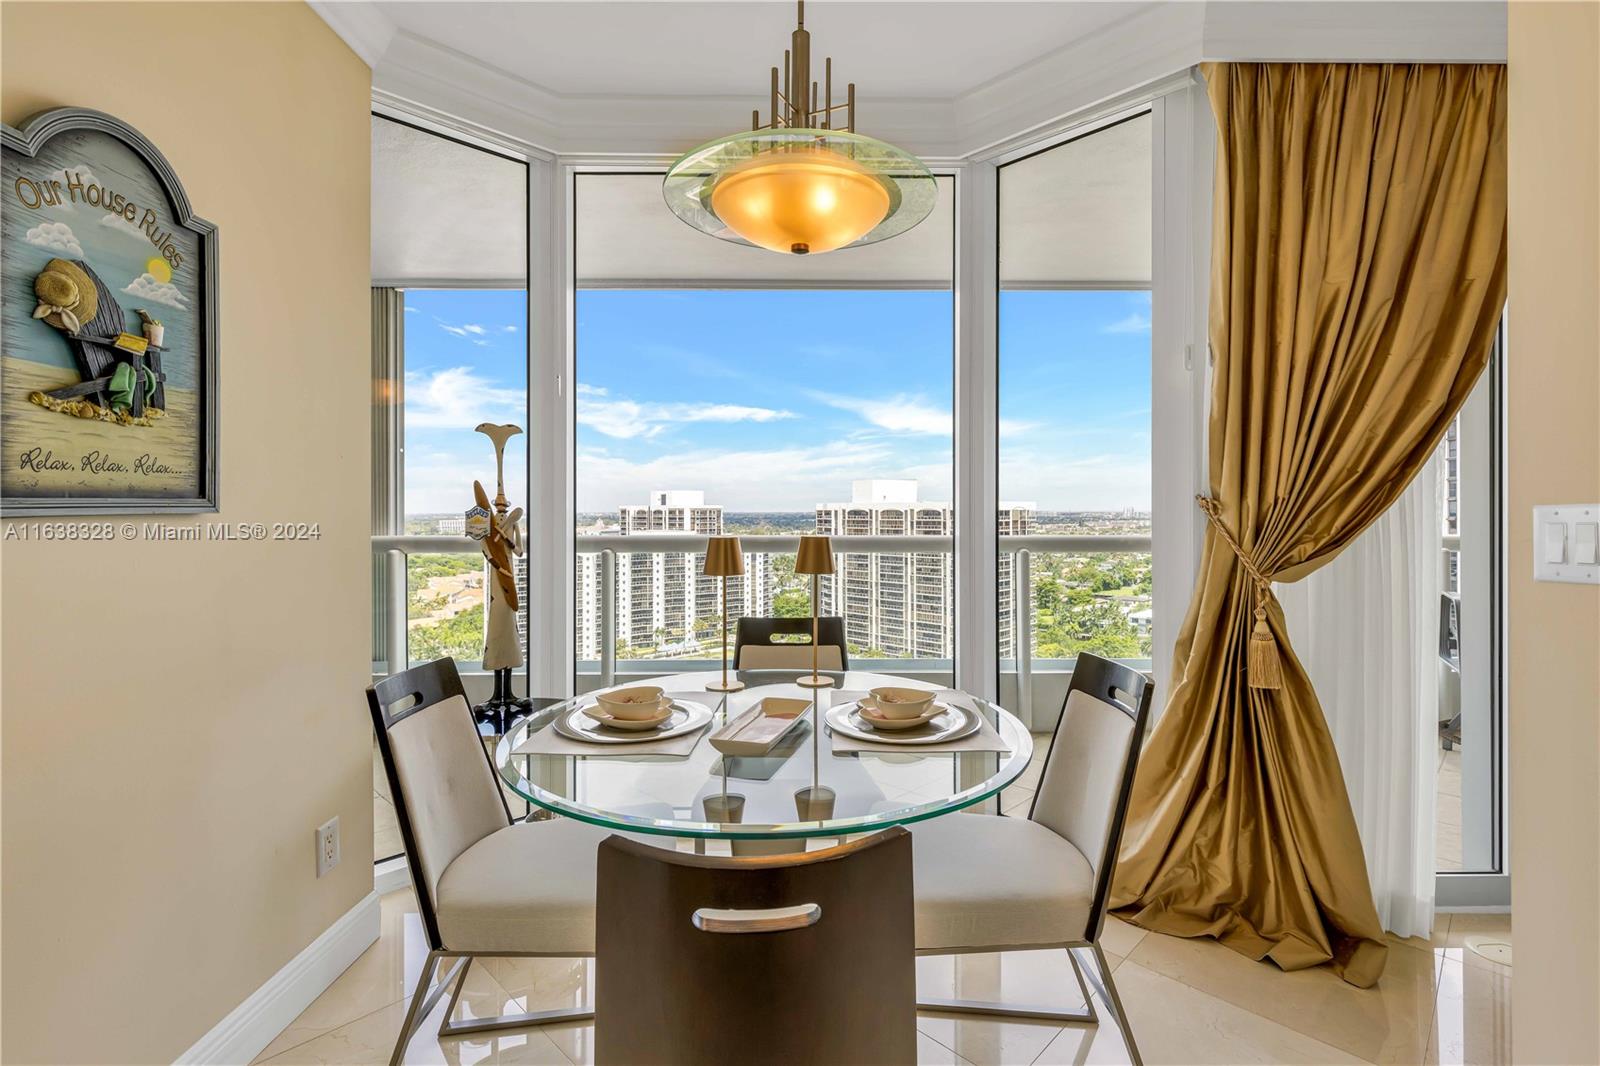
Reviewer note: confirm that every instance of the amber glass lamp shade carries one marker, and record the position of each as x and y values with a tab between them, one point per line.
723	557
800	191
815	556
800	200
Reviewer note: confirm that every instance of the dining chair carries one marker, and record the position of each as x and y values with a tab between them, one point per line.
755	649
714	960
485	885
986	883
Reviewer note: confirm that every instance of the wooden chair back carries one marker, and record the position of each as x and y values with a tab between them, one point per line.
804	958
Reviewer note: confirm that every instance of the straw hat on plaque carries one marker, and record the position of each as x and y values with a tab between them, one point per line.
67	295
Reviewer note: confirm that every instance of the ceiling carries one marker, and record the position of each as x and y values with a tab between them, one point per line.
956	80
917	50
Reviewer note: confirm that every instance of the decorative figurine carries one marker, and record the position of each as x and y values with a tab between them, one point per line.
501	536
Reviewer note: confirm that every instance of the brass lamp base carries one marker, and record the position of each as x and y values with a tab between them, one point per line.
814	681
724	686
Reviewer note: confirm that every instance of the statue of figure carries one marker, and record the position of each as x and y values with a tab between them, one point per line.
501	535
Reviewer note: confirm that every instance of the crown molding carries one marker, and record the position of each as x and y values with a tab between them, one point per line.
362	26
1153	42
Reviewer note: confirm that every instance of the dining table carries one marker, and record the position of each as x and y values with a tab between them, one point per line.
818	781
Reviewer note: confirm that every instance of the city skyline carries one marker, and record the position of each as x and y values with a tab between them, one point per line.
767	414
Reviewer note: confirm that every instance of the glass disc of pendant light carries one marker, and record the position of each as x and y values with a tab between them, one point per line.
800	191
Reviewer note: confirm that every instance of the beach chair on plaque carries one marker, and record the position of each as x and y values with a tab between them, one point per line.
121	371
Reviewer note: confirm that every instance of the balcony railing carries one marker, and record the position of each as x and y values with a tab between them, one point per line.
1019	548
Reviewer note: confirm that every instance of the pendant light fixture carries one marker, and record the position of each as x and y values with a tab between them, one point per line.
802	183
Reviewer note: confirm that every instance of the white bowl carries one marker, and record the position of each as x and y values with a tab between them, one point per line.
635	704
631	725
876	721
900	702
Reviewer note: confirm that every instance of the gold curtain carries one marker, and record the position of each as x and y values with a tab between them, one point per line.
1358	276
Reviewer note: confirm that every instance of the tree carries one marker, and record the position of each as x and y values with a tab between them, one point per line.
792	603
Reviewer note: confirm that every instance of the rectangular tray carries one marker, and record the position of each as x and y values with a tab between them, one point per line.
756	731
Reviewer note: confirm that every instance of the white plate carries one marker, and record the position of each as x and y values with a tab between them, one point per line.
685	718
952	723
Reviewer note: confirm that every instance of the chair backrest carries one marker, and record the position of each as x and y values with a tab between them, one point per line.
1088	770
755	649
788	958
441	777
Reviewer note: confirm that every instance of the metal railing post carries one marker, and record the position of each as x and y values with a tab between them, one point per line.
608	618
1022	631
395	650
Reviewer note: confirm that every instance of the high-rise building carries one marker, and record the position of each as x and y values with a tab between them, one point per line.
901	604
662	599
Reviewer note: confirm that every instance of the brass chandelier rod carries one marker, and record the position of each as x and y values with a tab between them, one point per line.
811	111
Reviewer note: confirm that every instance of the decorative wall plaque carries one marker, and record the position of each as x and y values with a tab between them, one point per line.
108	325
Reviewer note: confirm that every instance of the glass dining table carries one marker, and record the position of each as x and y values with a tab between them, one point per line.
803	788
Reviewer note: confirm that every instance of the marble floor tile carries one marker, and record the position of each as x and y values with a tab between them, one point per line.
1174	1023
1118	937
1387	1023
1482	941
1041	979
1472	1019
987	1041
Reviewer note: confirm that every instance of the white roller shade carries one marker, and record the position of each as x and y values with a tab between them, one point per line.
445	212
1079	214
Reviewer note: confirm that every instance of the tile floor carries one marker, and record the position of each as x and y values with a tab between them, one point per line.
1189	1001
1447	815
1442	1000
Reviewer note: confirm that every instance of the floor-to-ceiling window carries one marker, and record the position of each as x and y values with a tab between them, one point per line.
723	389
450	315
1468	793
1074	418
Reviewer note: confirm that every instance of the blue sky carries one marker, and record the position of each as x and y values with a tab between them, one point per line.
776	400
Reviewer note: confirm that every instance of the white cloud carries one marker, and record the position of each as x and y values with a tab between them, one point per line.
793	478
56	236
901	414
468	330
146	287
122	226
592	390
627	419
458	398
439	480
410	309
1102	482
1133	323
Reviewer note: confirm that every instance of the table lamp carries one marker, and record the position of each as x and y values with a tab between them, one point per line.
815	558
724	560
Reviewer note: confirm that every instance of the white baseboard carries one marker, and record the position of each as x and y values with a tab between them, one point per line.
256	1022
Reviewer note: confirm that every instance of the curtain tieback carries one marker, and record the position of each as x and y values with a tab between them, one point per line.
1265	669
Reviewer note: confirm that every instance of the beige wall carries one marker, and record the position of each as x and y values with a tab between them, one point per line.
178	718
1553	451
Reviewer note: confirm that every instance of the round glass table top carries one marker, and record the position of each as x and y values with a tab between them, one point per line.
800	789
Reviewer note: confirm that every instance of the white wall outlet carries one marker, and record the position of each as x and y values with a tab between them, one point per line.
327	845
1564	543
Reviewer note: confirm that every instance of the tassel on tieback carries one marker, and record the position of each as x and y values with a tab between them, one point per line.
1264	669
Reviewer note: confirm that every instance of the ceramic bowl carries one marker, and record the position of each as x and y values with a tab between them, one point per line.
635	704
900	702
870	715
631	725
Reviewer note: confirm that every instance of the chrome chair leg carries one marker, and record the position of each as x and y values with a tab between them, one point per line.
1087	1016
1106	988
422	1002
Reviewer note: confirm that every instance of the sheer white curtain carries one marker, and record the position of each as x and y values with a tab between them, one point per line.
1366	628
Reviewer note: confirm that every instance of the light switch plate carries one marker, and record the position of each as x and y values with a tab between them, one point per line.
1563	536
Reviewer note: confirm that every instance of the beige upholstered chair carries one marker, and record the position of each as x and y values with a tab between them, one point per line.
713	961
484	885
987	883
754	646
